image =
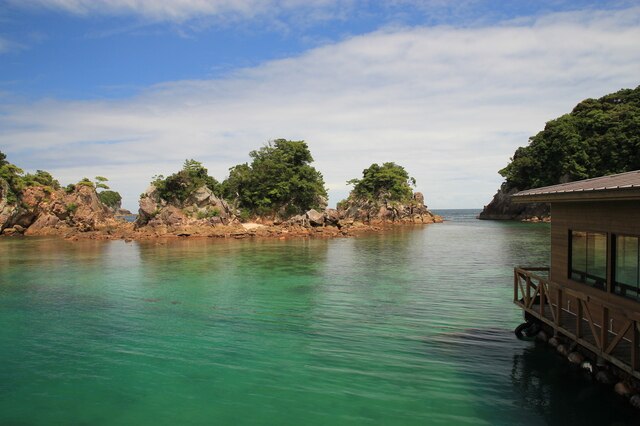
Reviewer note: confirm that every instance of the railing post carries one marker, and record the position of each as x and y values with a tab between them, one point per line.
527	293
559	308
515	285
635	340
579	315
541	290
604	328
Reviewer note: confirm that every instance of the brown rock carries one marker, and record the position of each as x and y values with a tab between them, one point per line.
623	389
332	217
315	218
576	358
45	224
9	231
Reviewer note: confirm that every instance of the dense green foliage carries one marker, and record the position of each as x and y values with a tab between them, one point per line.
599	137
12	175
110	198
16	179
86	182
40	178
71	208
279	180
100	182
389	181
179	186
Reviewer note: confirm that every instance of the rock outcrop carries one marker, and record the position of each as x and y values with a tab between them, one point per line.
384	211
7	209
201	208
80	214
43	211
501	208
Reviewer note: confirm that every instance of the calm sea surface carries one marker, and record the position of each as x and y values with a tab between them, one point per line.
413	326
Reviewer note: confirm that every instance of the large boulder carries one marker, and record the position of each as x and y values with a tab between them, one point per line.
332	217
45	224
149	206
315	217
170	216
201	197
298	220
204	203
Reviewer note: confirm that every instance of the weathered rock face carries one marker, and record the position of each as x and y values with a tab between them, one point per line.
315	218
42	211
150	205
7	209
501	208
201	208
380	211
204	202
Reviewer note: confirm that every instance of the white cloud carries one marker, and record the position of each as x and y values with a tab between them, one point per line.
449	104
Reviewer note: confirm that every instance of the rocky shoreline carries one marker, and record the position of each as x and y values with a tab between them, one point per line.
502	208
79	215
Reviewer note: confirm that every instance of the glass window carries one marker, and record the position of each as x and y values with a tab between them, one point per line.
627	264
589	258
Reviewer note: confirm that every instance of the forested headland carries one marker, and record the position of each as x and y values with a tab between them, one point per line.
598	137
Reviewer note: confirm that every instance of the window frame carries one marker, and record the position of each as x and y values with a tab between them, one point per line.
614	265
606	286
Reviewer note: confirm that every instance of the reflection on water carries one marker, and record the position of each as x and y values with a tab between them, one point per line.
563	394
412	326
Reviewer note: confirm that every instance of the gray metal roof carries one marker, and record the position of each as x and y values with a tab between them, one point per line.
595	186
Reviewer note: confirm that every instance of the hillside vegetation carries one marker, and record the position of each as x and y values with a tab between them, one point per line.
599	137
279	181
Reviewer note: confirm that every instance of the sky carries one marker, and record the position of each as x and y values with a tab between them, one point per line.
129	89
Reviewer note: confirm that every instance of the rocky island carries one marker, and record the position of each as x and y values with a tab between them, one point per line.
599	137
278	195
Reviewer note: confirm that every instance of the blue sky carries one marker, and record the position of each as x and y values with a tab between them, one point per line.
449	89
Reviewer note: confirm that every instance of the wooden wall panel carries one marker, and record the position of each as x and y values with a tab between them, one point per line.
613	217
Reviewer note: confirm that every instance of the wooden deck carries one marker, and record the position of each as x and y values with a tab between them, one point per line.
580	318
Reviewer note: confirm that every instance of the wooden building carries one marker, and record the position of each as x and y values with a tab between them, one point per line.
591	292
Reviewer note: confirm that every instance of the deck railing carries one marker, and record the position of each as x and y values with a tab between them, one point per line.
607	329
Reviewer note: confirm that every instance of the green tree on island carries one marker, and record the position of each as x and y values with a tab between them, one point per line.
389	181
12	176
100	182
599	137
279	180
40	178
17	180
110	198
178	186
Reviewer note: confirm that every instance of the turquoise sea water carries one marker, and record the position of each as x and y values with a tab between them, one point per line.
412	326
